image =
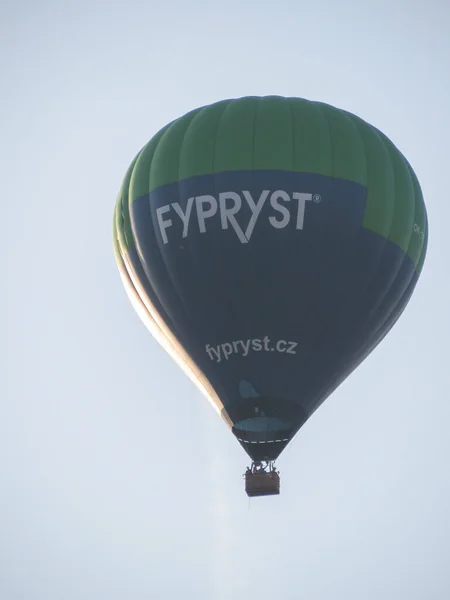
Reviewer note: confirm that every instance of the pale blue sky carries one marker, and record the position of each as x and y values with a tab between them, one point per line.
117	479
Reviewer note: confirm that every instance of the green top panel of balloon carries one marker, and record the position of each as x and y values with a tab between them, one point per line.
288	135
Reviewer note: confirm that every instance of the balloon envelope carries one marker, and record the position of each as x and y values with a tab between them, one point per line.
269	244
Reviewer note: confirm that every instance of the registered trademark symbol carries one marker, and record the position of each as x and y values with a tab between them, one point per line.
317	198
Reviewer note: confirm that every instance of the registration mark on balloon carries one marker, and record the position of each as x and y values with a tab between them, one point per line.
245	347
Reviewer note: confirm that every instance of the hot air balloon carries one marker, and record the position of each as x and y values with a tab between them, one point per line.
269	244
